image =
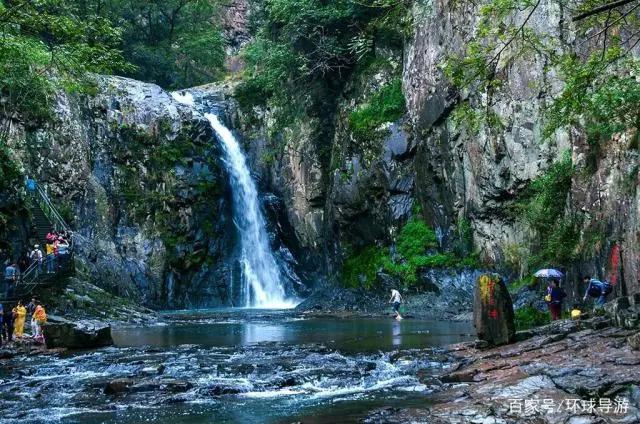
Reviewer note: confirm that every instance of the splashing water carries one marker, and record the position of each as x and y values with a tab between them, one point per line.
261	277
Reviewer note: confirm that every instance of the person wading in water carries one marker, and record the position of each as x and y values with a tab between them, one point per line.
396	299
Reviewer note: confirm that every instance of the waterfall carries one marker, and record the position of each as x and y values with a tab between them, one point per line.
262	282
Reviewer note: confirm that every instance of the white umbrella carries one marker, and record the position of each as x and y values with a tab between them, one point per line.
548	273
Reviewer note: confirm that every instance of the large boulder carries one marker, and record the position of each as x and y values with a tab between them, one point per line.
493	311
86	334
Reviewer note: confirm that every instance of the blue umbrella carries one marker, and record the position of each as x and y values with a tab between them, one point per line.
548	273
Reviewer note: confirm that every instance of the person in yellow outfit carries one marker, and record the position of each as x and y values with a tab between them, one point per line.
19	315
39	318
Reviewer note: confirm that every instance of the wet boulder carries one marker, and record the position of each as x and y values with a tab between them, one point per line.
634	341
493	315
118	386
61	333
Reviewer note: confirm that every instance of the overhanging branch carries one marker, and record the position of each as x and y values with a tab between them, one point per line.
601	9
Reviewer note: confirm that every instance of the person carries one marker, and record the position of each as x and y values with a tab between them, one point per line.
51	257
576	313
19	315
10	278
31	308
63	253
555	298
7	325
51	236
31	184
24	262
39	319
396	299
36	256
598	289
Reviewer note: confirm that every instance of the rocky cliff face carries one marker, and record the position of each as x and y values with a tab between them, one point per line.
453	172
138	175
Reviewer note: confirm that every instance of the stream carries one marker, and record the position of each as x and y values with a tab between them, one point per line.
235	366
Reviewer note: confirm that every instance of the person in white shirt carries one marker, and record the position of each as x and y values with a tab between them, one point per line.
396	299
36	256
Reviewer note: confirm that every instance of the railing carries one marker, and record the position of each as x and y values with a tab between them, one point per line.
35	274
49	210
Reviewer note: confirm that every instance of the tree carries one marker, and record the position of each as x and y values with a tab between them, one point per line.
47	45
601	94
173	43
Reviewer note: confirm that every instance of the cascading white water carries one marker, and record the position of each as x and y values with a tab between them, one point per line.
261	279
260	274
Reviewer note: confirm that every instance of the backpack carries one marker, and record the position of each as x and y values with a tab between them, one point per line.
607	288
594	291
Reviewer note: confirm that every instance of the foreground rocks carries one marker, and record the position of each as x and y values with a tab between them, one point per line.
61	333
566	372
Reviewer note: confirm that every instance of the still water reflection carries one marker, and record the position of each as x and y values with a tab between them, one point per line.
351	334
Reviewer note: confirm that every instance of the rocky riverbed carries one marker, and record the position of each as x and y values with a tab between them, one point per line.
567	372
282	367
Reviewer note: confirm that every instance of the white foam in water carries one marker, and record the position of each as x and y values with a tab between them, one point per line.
261	277
262	282
185	99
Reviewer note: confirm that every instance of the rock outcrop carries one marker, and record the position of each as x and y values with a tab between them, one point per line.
61	333
137	174
493	311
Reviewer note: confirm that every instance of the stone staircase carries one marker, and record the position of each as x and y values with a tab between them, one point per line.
45	217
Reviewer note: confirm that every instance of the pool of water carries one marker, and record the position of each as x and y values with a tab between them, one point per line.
234	367
254	327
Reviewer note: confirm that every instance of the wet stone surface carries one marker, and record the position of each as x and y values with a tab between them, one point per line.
256	369
565	373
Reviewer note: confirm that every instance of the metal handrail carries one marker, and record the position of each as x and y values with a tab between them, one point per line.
55	216
29	279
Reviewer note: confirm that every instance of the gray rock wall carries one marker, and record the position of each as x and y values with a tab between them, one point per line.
137	174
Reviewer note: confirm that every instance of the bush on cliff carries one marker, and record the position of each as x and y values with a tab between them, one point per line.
415	246
529	317
542	206
386	105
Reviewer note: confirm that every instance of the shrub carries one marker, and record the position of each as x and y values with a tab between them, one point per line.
386	105
542	206
529	317
363	266
415	240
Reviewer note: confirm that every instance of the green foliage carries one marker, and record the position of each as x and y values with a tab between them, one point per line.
601	102
413	247
10	179
47	45
9	173
516	285
542	206
386	105
415	238
361	268
174	43
529	317
601	93
304	50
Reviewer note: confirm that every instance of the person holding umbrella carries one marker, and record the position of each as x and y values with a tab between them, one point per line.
554	298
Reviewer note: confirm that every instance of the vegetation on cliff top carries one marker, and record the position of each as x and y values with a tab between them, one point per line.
304	51
48	45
